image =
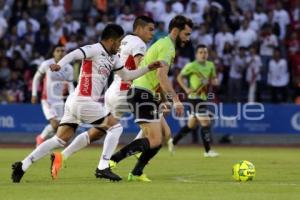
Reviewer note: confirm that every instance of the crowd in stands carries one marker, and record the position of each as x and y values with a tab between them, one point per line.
255	45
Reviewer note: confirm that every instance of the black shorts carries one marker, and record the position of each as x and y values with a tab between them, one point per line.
198	107
143	105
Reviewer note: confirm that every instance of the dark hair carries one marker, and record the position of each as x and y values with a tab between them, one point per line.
201	46
112	31
51	51
142	21
179	22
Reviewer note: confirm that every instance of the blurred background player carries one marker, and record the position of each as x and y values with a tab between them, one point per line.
54	86
200	74
83	106
144	99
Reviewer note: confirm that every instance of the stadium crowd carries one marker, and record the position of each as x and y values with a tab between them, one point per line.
254	44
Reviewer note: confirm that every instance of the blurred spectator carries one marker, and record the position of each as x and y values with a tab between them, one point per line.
90	29
56	31
245	37
3	26
246	5
70	24
194	14
202	36
278	78
177	7
253	75
72	43
4	73
155	7
100	25
15	93
25	50
159	32
126	19
55	11
5	9
237	68
22	24
281	16
222	37
260	16
268	41
167	15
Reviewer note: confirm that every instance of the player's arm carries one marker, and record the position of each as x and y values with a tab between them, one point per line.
166	86
137	59
214	78
36	81
78	54
180	80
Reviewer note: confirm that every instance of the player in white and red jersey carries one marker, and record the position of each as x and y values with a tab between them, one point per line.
83	106
54	86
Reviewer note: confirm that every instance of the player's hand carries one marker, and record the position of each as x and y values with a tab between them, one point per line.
189	91
55	67
155	65
33	99
179	109
165	108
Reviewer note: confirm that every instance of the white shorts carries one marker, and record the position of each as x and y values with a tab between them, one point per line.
116	102
83	110
53	110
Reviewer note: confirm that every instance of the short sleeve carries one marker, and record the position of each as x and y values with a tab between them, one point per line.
166	54
187	70
213	71
118	64
89	50
139	49
43	68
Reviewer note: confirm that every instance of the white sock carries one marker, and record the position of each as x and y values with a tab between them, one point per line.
81	141
110	144
47	132
139	135
42	150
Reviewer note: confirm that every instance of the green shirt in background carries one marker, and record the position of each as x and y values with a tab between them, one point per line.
163	50
199	76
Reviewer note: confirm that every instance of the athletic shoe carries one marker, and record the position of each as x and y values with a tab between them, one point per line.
17	173
211	154
112	164
38	140
171	146
141	178
56	164
107	174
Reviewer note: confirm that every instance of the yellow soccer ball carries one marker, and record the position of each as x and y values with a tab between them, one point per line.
243	171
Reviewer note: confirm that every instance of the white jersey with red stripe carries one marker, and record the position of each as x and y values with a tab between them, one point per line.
116	94
95	70
131	46
54	83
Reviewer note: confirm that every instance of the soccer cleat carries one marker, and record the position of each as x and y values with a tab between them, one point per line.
17	173
171	146
141	178
112	164
38	140
211	154
56	164
107	174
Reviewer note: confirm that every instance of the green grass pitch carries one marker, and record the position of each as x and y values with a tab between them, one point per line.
187	175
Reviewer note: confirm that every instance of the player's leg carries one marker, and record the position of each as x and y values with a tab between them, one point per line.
191	125
64	133
205	123
47	132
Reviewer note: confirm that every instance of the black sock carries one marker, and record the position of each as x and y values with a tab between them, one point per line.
183	132
139	145
205	135
143	160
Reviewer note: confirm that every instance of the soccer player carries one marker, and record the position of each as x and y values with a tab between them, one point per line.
144	100
200	73
54	84
83	106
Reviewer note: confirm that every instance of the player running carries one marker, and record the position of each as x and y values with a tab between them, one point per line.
200	73
54	84
144	100
83	106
